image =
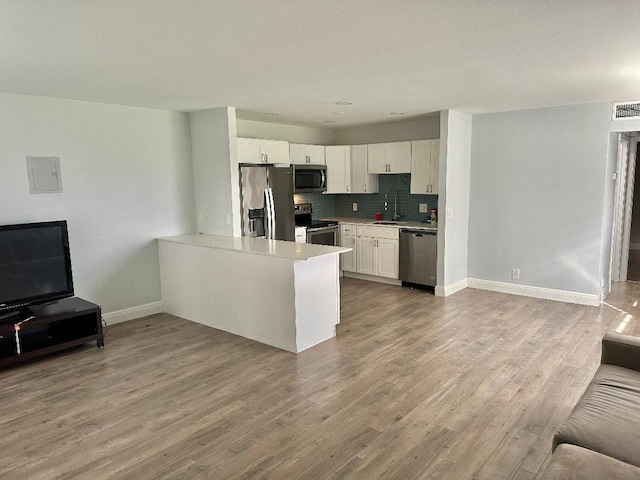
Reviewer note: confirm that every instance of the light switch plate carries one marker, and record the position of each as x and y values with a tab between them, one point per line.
424	208
355	207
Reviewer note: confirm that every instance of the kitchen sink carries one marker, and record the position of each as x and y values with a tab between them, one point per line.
386	223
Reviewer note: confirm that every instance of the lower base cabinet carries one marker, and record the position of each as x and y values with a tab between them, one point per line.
377	251
348	239
387	258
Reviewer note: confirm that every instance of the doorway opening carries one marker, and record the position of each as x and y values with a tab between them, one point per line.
626	231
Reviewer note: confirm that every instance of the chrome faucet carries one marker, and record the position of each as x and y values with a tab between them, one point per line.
395	217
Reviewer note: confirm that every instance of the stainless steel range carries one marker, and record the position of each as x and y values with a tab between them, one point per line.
321	232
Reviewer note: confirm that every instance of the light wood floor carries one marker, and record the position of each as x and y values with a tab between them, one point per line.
414	386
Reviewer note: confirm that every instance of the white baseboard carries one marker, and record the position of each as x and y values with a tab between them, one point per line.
132	313
451	288
536	292
372	278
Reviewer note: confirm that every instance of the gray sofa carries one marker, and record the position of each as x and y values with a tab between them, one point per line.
601	437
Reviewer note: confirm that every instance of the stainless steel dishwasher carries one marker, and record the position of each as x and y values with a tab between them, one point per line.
418	253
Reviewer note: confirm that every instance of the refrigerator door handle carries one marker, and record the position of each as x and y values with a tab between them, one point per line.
270	212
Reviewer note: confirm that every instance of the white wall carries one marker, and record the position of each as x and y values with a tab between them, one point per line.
455	162
127	179
289	133
625	125
537	188
424	129
215	168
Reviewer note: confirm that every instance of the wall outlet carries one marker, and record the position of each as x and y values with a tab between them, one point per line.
449	212
424	208
515	274
355	207
200	217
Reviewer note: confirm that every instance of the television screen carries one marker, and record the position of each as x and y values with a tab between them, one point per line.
35	264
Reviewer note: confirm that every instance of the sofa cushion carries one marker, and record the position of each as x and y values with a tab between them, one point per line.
577	463
607	417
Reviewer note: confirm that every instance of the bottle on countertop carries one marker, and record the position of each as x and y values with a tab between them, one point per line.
434	215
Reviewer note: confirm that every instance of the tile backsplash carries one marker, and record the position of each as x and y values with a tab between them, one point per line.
341	205
323	205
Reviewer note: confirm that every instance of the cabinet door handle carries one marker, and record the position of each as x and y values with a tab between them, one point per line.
365	189
347	188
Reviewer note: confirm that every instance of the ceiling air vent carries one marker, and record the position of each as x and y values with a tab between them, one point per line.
626	110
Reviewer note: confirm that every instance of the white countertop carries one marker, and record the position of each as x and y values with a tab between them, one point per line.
366	221
257	246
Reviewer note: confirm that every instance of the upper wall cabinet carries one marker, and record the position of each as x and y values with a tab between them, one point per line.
425	159
347	170
338	169
361	180
301	154
255	150
389	157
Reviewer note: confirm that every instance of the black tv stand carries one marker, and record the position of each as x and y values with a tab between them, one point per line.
49	328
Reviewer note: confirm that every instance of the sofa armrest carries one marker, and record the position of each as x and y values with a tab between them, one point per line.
621	350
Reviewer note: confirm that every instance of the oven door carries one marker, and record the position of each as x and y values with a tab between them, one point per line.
310	178
323	236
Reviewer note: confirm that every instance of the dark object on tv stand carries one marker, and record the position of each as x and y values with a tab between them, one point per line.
64	324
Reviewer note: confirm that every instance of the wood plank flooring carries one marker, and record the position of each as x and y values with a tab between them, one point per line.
413	387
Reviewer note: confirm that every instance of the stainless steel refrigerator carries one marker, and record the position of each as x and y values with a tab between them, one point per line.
266	195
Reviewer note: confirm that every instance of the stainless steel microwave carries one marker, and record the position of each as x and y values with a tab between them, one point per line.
309	178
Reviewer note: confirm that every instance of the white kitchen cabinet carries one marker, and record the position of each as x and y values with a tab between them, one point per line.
348	237
435	166
366	255
276	151
250	150
361	180
377	251
400	157
338	160
377	158
387	257
389	157
425	158
255	150
302	154
347	170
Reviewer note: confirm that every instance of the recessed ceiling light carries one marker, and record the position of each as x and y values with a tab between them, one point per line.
338	113
272	114
396	113
330	121
344	103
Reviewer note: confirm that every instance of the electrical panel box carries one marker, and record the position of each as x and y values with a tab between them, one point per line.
44	174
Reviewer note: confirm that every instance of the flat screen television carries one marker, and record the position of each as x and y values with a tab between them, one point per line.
35	264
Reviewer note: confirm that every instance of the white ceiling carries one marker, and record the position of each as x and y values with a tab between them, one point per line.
298	57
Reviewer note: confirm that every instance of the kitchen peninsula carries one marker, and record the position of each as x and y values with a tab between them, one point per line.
280	293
